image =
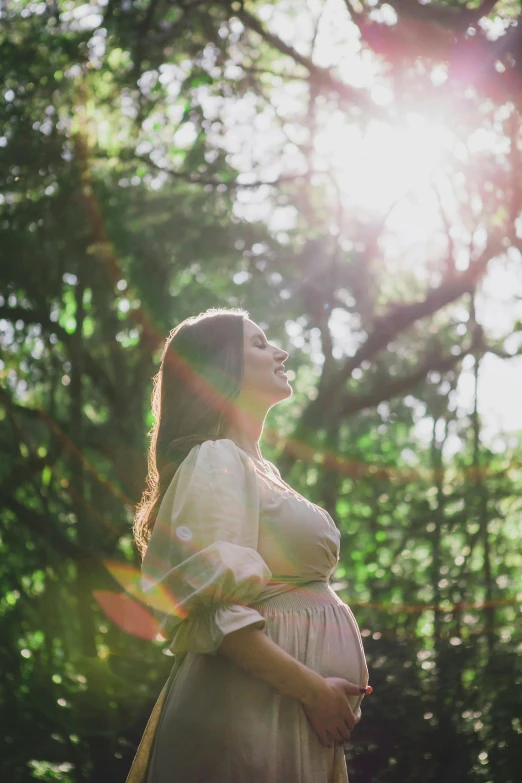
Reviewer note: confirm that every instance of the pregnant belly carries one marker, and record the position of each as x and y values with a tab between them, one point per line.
313	625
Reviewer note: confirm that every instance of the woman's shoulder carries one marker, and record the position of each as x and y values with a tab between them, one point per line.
219	447
224	456
209	469
274	468
219	455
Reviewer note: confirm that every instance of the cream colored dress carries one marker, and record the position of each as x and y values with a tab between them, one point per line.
233	548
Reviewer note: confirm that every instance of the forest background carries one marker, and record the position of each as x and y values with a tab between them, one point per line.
350	172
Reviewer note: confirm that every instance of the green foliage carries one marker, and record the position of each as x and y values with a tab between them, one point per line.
130	198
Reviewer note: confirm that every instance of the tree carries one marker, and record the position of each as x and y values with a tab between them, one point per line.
157	160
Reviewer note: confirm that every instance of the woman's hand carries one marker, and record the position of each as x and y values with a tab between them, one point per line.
330	714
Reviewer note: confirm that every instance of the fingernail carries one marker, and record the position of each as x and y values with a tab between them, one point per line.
366	690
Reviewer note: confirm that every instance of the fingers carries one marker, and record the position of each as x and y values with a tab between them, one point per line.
326	739
342	736
336	712
356	690
333	737
350	720
336	737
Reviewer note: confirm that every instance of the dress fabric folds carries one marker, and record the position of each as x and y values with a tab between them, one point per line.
233	548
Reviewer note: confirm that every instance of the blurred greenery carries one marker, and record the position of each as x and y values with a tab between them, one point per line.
157	159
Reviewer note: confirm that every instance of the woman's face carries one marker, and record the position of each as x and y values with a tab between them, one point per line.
262	366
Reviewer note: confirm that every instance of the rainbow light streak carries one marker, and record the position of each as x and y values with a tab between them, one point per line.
158	598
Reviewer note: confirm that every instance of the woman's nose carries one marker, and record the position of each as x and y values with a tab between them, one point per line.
282	355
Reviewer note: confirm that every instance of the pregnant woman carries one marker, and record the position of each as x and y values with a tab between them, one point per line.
269	672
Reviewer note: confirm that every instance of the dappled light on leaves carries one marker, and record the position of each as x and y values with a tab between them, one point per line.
350	174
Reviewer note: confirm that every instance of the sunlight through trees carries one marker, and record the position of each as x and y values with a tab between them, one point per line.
350	173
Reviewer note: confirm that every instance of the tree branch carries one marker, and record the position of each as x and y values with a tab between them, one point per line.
435	32
187	176
322	76
396	321
39	318
453	17
34	318
59	429
43	527
351	403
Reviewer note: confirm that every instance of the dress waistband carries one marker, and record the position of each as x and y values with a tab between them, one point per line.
309	595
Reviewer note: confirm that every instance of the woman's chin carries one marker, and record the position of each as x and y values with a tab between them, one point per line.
285	392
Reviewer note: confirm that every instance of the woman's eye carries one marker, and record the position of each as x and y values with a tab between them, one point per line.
261	345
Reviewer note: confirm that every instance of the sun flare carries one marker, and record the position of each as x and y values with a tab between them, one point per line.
378	166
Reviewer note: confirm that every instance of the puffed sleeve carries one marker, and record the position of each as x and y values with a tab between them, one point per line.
274	468
202	558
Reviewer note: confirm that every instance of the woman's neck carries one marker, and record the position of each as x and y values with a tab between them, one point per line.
246	432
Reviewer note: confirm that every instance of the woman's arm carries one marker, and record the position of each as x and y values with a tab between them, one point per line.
324	699
255	653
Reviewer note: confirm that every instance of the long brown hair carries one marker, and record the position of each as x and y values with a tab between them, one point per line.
200	375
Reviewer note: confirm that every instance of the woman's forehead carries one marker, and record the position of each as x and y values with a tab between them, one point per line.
251	329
